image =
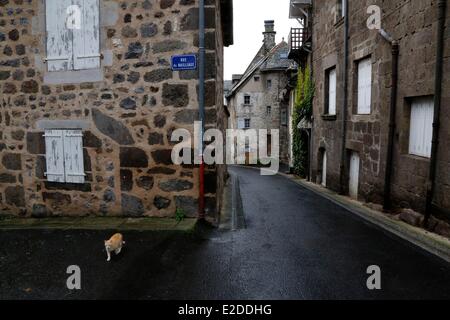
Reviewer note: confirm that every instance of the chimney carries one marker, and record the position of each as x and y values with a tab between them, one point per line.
269	35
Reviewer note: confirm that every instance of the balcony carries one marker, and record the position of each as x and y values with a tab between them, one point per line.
298	8
299	44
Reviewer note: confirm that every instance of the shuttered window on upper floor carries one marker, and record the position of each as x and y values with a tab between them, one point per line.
64	156
73	34
331	93
421	127
364	86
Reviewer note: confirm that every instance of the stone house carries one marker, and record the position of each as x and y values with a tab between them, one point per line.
352	106
257	99
88	101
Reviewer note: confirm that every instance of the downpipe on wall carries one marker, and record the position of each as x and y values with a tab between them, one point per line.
344	109
387	203
201	102
431	187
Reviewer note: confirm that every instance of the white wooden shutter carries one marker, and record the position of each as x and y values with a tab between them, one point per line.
332	92
241	123
54	147
59	37
421	127
86	41
365	86
324	169
73	156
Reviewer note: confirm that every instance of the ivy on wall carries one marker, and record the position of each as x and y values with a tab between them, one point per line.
303	111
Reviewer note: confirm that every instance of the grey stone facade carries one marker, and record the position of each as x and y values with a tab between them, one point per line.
259	94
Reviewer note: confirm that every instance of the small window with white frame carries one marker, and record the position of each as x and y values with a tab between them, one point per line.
269	111
247	123
421	126
364	86
64	156
269	83
73	35
330	98
247	100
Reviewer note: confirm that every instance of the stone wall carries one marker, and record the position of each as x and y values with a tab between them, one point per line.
128	114
414	25
261	97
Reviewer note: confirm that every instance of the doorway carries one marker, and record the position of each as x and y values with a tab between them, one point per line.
354	175
324	168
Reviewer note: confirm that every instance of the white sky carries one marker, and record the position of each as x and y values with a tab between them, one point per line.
249	16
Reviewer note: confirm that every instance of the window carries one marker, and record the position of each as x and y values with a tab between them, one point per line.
330	100
257	78
247	124
284	117
421	127
269	111
247	100
341	7
364	86
64	156
72	35
269	84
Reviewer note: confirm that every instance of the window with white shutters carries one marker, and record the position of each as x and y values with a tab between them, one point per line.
365	86
421	127
73	34
64	156
331	98
241	123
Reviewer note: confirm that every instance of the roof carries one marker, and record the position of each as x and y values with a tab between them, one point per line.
227	85
275	60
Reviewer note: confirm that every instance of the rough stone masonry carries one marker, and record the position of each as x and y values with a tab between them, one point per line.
127	110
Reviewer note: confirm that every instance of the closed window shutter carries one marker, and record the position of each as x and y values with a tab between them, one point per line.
364	86
421	127
59	37
54	146
73	156
332	93
241	123
86	41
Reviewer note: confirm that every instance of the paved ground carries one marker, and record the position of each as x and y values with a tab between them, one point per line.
296	246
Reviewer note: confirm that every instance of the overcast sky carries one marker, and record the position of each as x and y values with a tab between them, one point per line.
249	16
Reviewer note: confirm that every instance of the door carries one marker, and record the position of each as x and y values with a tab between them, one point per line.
354	175
324	169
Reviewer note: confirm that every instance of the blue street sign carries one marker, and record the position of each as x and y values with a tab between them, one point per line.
184	62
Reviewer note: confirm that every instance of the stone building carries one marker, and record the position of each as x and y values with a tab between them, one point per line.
88	103
257	99
352	106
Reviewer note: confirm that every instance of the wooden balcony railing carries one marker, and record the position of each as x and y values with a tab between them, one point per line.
297	38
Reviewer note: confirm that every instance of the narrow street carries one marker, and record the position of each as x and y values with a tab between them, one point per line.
296	246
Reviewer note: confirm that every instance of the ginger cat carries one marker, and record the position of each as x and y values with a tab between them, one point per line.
114	245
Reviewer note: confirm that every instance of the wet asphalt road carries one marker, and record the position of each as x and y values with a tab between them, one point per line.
297	245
